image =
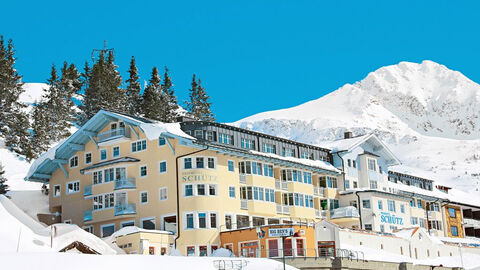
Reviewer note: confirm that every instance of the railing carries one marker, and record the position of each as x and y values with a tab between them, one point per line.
125	209
319	191
125	183
283	209
230	264
344	212
87	191
472	222
87	215
323	252
324	214
113	134
277	184
244	204
317	213
243	179
284	185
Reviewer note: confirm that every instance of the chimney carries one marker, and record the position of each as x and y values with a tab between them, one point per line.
347	135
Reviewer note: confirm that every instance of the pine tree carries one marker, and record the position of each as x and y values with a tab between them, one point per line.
40	138
133	90
13	121
103	87
151	99
3	180
198	105
69	84
171	105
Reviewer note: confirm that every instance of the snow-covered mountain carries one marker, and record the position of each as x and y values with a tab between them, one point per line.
428	114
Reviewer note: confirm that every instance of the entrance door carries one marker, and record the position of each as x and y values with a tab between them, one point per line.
287	247
249	249
273	248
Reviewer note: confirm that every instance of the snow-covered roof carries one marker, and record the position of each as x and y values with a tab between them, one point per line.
403	169
48	162
349	144
308	162
134	229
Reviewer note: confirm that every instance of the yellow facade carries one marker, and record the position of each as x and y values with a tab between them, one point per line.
79	208
146	243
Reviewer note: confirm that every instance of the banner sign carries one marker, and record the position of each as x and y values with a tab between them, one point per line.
390	219
281	232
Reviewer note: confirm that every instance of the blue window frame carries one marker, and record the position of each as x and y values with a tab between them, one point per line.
188	190
116	151
451	212
161	141
231	166
380	204
103	154
189	221
187	163
163	166
454	230
231	192
139	146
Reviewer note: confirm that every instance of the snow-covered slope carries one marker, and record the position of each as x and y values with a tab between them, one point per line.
428	114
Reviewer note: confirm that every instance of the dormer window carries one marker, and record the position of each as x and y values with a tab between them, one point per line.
74	162
372	164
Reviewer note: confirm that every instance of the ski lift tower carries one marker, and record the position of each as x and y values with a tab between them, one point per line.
105	50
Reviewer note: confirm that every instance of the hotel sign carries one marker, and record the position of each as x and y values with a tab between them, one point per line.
281	232
194	177
390	219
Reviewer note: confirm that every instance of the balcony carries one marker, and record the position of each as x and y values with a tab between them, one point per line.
87	215
283	209
113	136
344	212
126	183
244	204
470	222
319	191
125	209
87	191
281	185
243	179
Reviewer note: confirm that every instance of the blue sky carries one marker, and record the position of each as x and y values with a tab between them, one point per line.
252	56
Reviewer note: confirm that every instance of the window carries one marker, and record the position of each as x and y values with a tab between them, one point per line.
144	197
288	152
307	155
269	148
198	133
211	163
162	141
148	223
228	222
210	135
202	220
116	151
73	187
224	138
368	227
189	221
212	190
191	251
380	204
163	166
349	162
372	164
103	154
268	170
129	223
231	192
307	178
199	162
419	203
88	158
347	184
203	251
373	184
414	220
382	228
247	143
107	230
143	171
391	205
354	163
163	194
328	182
201	189
139	146
422	222
451	212
88	228
74	162
188	190
56	191
213	220
402	209
187	163
412	203
231	166
366	204
355	184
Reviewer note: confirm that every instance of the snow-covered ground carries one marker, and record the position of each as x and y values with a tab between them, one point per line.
427	114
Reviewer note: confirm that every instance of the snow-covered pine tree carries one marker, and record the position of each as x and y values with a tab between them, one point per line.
133	90
69	84
198	105
40	137
103	87
151	99
170	111
13	121
52	104
3	180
